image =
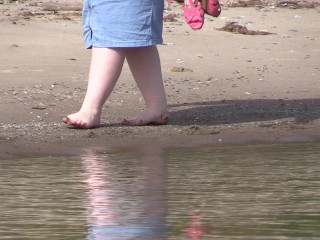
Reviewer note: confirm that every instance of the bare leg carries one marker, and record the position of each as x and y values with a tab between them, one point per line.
145	66
106	65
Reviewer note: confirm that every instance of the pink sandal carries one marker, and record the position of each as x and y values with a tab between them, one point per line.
213	8
194	16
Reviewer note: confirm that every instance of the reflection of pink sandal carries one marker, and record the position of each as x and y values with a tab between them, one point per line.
194	16
162	120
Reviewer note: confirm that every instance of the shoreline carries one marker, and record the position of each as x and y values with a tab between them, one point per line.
89	140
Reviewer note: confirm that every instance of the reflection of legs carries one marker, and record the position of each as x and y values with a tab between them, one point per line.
101	208
145	66
107	197
106	65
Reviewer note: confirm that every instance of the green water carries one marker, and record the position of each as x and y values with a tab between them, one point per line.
212	192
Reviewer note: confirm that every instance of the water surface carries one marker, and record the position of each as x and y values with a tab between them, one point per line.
150	193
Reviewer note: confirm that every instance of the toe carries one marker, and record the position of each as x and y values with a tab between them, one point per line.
78	123
66	120
74	122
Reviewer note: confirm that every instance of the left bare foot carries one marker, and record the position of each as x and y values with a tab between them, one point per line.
83	120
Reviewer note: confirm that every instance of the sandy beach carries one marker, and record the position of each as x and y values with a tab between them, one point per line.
223	87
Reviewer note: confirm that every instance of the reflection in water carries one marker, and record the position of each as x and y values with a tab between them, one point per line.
245	192
239	192
195	228
125	196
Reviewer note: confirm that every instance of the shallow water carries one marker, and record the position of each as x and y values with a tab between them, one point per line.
211	192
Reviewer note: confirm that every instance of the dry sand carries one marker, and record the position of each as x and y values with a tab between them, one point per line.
222	87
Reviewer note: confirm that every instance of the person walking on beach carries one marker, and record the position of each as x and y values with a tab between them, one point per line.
116	30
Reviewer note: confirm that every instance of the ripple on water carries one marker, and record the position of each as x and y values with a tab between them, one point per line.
237	192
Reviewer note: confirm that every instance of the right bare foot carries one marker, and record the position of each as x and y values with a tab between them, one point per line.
83	120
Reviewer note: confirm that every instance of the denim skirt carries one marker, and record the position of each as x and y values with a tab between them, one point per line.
122	23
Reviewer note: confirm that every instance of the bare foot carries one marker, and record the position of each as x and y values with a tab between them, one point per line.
147	118
83	120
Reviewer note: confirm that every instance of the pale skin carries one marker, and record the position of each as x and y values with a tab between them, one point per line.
105	69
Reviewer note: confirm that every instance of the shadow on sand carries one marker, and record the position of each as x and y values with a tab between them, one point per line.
242	111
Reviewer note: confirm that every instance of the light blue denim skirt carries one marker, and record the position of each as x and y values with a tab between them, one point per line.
122	23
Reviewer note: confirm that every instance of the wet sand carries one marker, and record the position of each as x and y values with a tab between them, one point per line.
223	88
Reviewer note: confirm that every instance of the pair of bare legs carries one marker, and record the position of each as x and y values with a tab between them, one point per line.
105	69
